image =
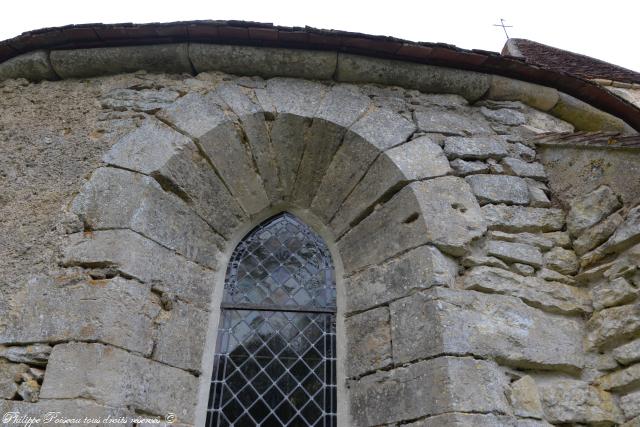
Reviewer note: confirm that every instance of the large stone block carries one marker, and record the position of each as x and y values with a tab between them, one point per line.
425	78
441	211
263	61
368	341
180	336
506	89
141	258
474	148
117	378
343	105
174	161
68	412
612	293
573	401
589	209
293	96
515	252
499	189
195	114
116	311
443	321
418	159
394	279
613	325
163	58
549	296
522	218
525	398
33	66
585	117
451	123
525	169
431	387
115	198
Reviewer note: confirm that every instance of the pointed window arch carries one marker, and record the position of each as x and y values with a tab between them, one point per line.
275	359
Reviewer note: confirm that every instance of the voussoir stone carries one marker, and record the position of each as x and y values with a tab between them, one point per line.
115	198
116	311
443	321
116	378
522	218
589	209
441	211
550	296
368	341
429	387
474	148
515	252
574	401
611	325
499	189
143	259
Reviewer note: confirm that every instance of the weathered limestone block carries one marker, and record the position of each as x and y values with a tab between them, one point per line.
157	150
144	100
393	279
524	269
525	398
451	123
445	268
515	252
611	293
559	238
34	354
117	378
368	341
425	78
499	189
9	376
549	296
464	168
585	117
574	401
441	211
630	405
417	159
33	66
474	261
505	89
628	353
143	259
63	412
117	311
538	198
374	133
521	218
504	116
623	380
554	276
164	58
473	420
561	260
525	169
115	198
625	235
538	240
443	321
588	210
195	114
430	387
611	325
180	336
474	148
598	234
263	61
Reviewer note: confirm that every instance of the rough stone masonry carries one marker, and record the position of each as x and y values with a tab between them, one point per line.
477	288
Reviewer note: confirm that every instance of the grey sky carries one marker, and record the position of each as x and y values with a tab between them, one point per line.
605	30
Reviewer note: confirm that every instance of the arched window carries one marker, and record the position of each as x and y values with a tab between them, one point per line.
275	360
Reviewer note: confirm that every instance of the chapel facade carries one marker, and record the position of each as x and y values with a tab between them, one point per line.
231	223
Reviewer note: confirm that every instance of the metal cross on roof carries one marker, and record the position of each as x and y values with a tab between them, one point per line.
504	27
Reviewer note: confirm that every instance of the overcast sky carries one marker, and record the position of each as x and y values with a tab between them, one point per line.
606	30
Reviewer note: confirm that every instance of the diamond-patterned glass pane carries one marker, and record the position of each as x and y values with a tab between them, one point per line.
282	262
275	365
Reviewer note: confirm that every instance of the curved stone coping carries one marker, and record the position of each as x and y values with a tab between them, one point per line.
309	54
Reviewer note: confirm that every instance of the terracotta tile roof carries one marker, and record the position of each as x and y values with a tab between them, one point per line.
261	34
552	58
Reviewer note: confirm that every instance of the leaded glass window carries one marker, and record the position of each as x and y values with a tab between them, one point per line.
275	359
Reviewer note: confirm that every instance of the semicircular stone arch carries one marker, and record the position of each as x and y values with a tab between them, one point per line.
169	201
